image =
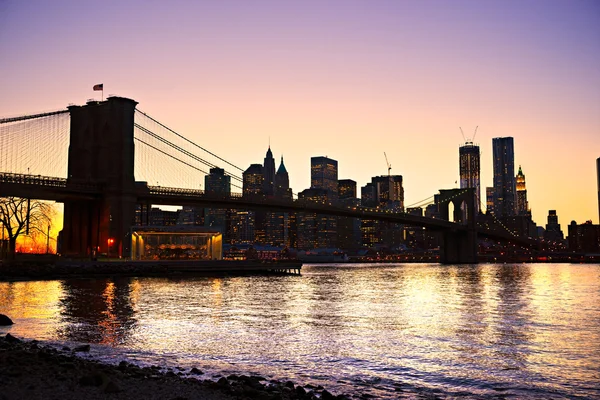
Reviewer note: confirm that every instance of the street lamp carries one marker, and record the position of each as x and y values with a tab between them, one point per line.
110	242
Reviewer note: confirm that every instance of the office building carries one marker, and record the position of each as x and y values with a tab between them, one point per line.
469	168
389	192
324	174
553	232
316	230
346	189
584	238
504	177
349	234
218	183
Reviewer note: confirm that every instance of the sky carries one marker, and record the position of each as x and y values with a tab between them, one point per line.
345	79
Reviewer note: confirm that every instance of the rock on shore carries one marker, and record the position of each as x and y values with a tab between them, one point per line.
5	321
29	370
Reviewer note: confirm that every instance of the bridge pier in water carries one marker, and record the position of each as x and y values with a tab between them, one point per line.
101	152
459	246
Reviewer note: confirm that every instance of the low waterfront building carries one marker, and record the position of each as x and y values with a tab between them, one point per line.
176	243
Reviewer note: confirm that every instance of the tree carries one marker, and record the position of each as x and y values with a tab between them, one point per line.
13	216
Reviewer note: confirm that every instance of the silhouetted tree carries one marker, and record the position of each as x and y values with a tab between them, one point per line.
13	215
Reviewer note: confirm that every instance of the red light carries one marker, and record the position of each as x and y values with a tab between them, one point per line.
111	241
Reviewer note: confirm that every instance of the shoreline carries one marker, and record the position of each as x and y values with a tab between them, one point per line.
29	369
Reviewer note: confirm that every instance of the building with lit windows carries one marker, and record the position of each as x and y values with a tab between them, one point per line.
469	166
389	192
324	174
584	238
504	176
217	182
553	232
489	199
316	230
253	179
522	203
278	224
349	234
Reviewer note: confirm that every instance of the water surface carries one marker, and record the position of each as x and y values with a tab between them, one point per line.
389	330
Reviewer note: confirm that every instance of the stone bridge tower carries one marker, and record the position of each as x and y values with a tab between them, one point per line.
101	153
459	246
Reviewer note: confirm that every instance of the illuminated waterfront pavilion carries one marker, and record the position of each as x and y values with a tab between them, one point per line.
176	243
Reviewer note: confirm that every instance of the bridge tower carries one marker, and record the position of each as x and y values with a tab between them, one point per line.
459	246
101	152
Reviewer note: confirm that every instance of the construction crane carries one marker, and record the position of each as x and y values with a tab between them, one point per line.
388	163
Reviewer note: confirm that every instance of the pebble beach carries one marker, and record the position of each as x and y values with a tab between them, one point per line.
32	370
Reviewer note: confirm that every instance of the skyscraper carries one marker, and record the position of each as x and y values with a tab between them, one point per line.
253	179
553	231
504	176
389	192
282	182
278	223
469	166
522	203
324	174
269	174
348	235
347	189
217	182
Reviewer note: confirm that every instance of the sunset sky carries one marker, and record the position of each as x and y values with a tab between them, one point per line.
346	79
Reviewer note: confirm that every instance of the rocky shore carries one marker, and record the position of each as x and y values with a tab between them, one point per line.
30	370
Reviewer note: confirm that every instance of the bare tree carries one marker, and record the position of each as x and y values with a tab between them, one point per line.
13	215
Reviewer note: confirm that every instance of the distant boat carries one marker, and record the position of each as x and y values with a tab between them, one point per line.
322	256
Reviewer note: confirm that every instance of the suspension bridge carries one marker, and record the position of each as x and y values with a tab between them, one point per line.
100	159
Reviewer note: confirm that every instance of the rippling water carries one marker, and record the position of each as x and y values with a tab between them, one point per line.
389	330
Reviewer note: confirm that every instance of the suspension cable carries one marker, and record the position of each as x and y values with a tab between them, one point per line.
181	150
187	140
32	116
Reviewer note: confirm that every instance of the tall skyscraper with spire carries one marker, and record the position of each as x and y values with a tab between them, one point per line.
269	174
504	176
278	223
282	182
469	168
522	203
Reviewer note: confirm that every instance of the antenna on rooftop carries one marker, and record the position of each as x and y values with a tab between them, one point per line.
468	140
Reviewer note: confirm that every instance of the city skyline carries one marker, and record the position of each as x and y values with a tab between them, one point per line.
347	82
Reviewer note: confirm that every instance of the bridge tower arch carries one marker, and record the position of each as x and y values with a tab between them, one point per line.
101	153
458	246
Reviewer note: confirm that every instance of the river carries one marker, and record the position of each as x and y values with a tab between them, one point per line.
385	330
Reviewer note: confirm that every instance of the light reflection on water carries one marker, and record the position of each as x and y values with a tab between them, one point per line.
387	330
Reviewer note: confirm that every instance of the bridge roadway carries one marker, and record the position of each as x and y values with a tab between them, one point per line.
59	189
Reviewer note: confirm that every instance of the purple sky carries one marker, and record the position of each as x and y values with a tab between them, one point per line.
347	79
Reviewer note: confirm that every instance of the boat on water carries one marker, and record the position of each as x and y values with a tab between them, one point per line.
324	255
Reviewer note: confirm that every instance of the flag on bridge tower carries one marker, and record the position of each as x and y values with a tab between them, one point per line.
100	86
